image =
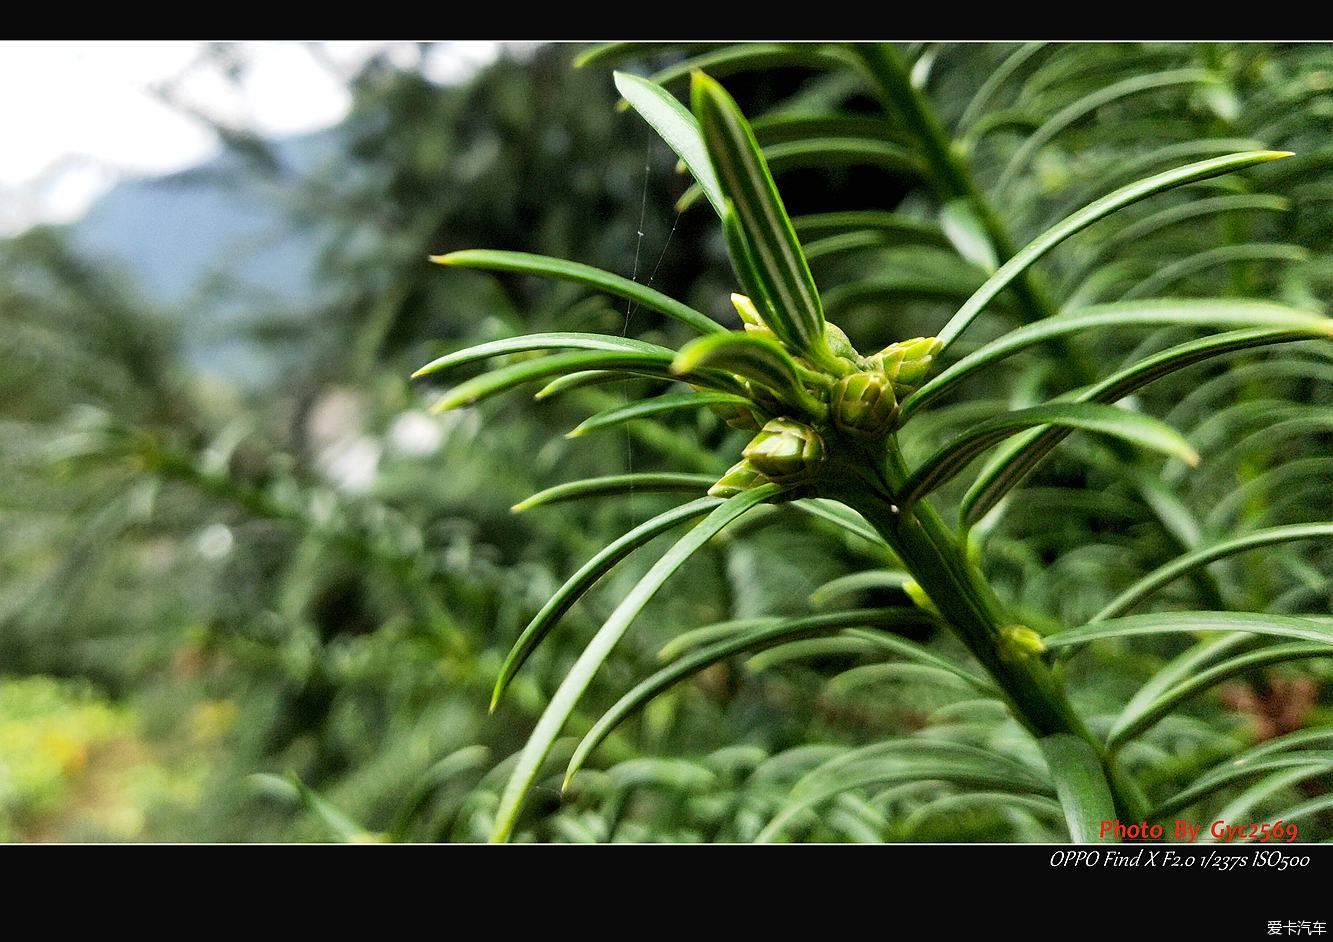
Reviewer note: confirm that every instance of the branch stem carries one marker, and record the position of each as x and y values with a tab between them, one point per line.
938	562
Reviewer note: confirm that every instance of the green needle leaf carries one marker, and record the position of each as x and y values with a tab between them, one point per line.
1135	719
891	228
616	484
527	264
1208	651
1321	736
980	103
743	264
746	642
1107	420
336	824
1080	784
608	53
675	125
646	408
842	151
1302	811
579	380
745	179
1208	554
1149	226
1163	279
1284	752
967	234
1085	217
903	761
455	763
750	56
840	646
530	342
508	377
857	582
1167	623
711	634
1240	808
1016	459
1309	764
577	585
754	358
571	690
919	656
1163	312
950	805
1090	103
840	516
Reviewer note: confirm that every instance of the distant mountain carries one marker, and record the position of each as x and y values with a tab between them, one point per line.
217	246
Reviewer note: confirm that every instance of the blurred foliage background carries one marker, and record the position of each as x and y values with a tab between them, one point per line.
250	590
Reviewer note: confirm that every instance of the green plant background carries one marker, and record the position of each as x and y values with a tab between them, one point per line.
209	632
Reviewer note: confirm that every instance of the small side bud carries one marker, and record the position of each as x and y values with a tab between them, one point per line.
746	309
740	477
785	451
908	362
1019	641
839	343
754	324
863	404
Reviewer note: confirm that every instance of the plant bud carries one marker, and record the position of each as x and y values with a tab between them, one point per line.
908	362
863	403
1019	641
746	309
785	451
839	343
754	323
739	477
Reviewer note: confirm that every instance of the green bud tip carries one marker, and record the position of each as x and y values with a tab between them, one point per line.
908	362
751	321
785	450
746	309
1020	641
840	343
863	403
739	478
